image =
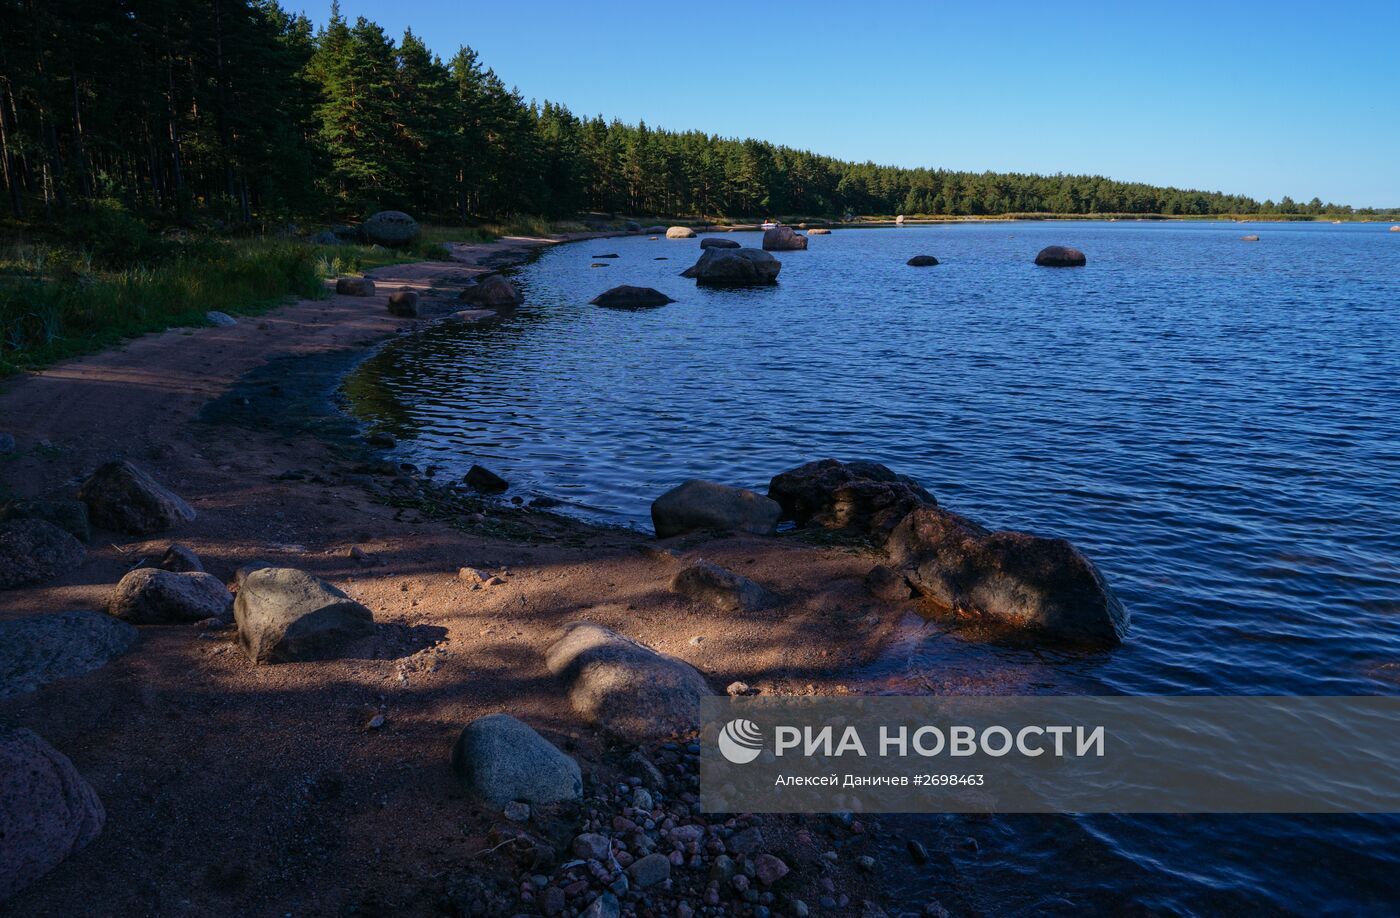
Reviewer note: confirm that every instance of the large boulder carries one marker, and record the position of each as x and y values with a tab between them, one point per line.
627	297
1046	586
69	515
1060	256
354	286
38	649
715	242
626	688
494	291
392	229
123	498
783	239
707	582
680	232
862	497
285	614
47	810
922	261
499	759
734	268
35	550
698	505
151	596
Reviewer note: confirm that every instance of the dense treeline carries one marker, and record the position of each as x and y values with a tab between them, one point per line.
237	110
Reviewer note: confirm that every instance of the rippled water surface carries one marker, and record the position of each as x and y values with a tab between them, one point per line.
1215	422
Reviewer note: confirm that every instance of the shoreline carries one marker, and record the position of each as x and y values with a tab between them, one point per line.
443	654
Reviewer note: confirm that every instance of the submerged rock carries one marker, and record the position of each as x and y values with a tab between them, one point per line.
48	810
492	292
625	687
734	268
1060	256
714	242
32	551
698	505
37	649
626	297
1014	578
403	303
783	239
922	261
862	497
390	228
123	498
151	596
500	760
680	232
285	614
707	582
354	286
68	515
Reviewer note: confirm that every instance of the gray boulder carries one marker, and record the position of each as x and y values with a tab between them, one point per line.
1060	256
123	498
704	581
697	505
354	286
34	550
680	232
734	268
493	291
865	498
499	759
285	615
47	810
392	229
626	297
151	596
626	688
1045	586
403	303
220	319
714	242
783	239
68	515
38	649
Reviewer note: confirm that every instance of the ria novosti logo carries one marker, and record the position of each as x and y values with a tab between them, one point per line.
740	741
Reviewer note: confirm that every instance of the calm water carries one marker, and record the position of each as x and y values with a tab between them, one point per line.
1213	421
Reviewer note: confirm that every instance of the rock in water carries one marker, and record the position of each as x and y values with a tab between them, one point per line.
863	497
783	239
34	550
47	810
819	232
354	286
123	498
37	649
697	506
680	232
720	587
734	268
285	614
1060	256
922	261
1249	238
499	759
151	596
493	291
392	229
624	687
1026	581
626	297
68	515
403	303
714	242
483	480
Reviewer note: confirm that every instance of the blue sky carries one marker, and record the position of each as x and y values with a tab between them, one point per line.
1265	99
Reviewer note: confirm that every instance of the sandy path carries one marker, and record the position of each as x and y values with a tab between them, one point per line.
232	788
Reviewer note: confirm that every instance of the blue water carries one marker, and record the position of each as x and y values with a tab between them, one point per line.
1215	422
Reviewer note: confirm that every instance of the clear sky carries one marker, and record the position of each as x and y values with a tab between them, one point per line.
1261	98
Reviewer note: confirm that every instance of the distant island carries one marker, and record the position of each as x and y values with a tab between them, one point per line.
242	111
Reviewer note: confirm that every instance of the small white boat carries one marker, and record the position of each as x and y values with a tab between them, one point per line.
769	226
